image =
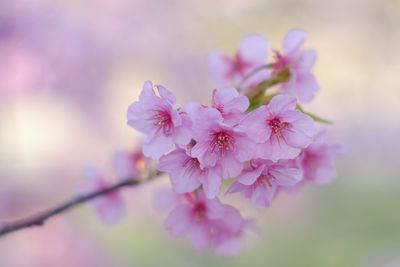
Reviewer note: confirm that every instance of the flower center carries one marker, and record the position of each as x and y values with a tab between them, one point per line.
222	141
192	163
281	63
277	126
264	179
200	211
268	180
238	65
163	120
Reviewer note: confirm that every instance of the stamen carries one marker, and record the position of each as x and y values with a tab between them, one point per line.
280	64
222	142
264	179
200	211
163	120
277	126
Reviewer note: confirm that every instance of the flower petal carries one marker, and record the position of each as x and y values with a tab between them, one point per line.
254	49
293	40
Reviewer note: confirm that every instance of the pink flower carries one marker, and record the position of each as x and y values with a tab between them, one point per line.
279	129
128	164
262	179
227	232
156	117
207	222
317	160
302	83
252	53
110	207
230	103
187	175
220	144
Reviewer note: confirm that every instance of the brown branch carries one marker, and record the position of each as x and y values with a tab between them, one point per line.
40	218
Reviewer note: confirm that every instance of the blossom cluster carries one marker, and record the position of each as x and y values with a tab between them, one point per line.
253	136
263	143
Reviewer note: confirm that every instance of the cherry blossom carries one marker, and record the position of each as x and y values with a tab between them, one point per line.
187	175
128	164
156	117
237	70
110	207
261	180
317	160
220	144
207	222
230	103
302	83
255	141
260	141
281	132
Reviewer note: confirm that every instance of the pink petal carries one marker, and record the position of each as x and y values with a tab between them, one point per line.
244	148
254	49
281	103
175	117
215	210
220	66
325	172
306	61
200	151
165	94
110	208
278	149
182	134
286	176
166	198
297	139
250	177
300	135
319	139
307	86
232	218
211	184
255	125
231	167
229	99
188	181
191	109
172	162
184	176
235	187
157	146
293	40
135	118
229	247
261	196
199	236
147	93
205	119
178	222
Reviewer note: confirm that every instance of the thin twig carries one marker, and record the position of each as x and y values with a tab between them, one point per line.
40	218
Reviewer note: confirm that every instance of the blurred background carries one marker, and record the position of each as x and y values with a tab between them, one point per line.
69	70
